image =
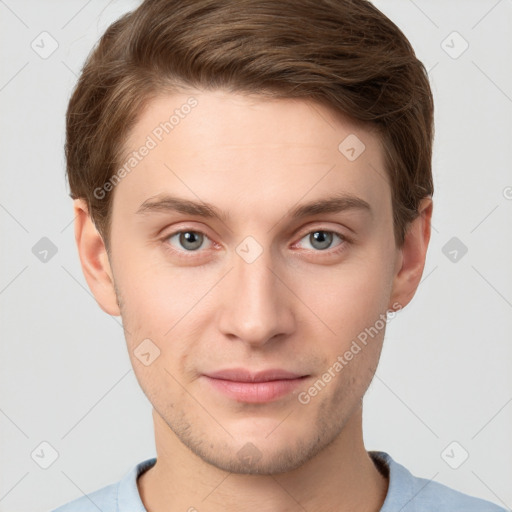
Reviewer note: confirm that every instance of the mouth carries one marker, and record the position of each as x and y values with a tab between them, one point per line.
243	385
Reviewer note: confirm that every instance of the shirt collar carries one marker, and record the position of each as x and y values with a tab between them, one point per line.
398	496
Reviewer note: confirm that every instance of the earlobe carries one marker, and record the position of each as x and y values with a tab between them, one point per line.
411	257
94	259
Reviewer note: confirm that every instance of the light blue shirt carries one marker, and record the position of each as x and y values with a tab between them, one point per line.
406	493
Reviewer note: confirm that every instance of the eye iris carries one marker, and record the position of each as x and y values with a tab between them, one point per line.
324	237
188	237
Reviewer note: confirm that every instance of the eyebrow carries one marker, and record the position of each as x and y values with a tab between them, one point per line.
334	204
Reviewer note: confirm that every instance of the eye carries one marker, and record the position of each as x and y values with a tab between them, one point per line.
321	240
188	240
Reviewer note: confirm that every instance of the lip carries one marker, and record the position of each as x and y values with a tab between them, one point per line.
254	387
243	375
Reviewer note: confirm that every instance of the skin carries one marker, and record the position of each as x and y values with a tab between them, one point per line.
298	306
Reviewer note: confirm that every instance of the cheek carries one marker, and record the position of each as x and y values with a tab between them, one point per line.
154	294
166	305
348	297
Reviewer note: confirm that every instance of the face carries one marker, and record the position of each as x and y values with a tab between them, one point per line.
256	281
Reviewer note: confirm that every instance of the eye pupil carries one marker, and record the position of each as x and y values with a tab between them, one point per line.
190	237
323	237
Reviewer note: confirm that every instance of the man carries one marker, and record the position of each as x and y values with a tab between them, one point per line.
253	193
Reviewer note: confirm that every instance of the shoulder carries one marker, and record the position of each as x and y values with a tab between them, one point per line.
104	499
122	496
409	493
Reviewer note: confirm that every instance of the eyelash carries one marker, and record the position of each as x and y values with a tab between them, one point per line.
338	249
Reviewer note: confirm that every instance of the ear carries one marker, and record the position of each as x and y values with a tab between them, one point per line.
94	259
411	257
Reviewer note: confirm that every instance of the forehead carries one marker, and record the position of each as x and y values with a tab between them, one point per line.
219	146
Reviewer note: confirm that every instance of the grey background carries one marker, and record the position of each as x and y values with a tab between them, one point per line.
444	376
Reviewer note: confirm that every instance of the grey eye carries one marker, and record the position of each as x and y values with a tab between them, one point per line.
189	240
321	240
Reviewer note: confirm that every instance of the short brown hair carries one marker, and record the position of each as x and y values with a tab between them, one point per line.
344	54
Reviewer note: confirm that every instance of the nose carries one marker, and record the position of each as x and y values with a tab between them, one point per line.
256	305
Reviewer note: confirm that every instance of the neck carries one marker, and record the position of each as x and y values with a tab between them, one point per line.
340	478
